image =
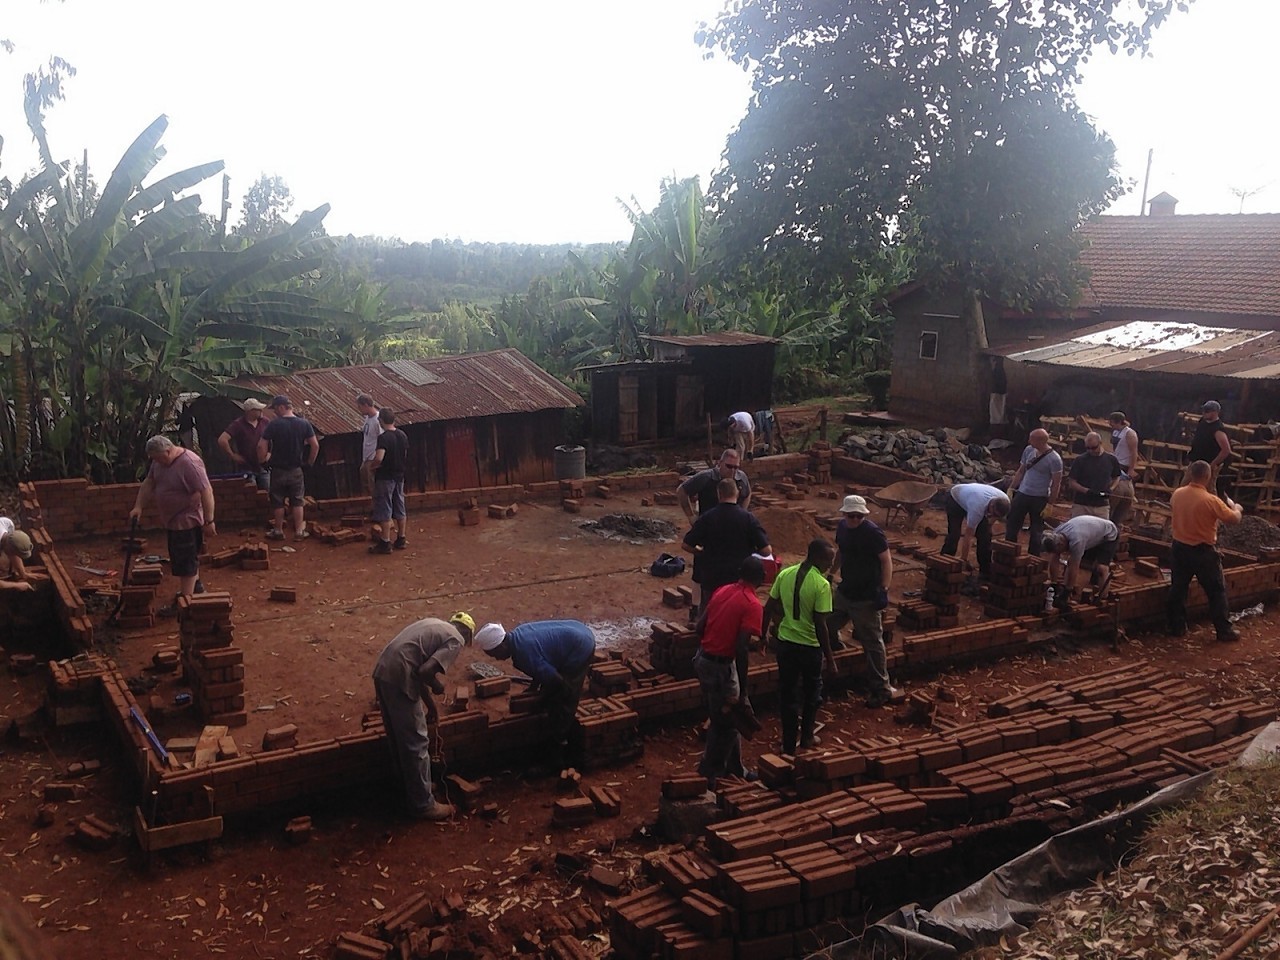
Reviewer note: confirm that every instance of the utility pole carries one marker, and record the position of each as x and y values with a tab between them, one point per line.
1146	180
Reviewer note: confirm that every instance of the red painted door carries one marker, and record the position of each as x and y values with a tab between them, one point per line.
460	468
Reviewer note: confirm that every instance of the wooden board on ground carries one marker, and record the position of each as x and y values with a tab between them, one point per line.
151	839
207	745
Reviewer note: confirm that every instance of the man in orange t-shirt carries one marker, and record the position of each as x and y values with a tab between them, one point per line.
729	620
1196	513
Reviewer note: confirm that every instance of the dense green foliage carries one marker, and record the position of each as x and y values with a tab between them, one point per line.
948	127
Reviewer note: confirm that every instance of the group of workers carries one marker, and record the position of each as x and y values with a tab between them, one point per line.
1100	485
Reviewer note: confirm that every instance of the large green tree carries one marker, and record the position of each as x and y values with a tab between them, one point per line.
112	304
947	124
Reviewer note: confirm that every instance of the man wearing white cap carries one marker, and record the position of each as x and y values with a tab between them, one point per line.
15	547
406	675
240	440
866	571
557	654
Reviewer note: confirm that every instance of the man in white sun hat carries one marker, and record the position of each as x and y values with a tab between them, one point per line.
557	655
866	571
407	673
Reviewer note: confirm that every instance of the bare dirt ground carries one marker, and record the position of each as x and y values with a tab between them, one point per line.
252	895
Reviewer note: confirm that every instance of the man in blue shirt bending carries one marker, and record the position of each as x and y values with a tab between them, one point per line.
557	654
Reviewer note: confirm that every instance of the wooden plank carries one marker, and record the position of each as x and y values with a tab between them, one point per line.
174	834
207	745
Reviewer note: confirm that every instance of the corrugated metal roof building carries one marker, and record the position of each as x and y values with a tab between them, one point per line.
480	419
1152	282
688	379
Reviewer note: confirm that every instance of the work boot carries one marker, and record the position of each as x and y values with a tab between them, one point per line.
381	547
274	534
436	812
812	740
400	543
1229	635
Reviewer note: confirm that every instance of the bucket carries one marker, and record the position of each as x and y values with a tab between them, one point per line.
571	463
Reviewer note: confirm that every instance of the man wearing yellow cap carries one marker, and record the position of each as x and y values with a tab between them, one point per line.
15	547
406	675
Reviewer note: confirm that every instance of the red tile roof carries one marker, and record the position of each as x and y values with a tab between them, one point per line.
1214	263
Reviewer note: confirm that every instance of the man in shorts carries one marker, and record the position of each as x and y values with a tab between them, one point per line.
177	489
388	483
1085	539
288	444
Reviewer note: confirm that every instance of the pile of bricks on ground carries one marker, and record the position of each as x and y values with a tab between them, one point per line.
73	695
1018	581
68	605
671	649
421	928
610	732
212	666
848	833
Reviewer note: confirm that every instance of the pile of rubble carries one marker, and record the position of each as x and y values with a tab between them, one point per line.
936	456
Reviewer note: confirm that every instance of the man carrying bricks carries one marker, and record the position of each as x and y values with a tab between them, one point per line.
720	540
970	509
732	618
1196	513
389	459
557	654
240	440
406	675
178	487
1084	538
799	602
702	485
866	571
288	444
15	547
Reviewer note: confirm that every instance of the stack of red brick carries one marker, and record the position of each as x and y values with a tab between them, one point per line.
214	669
610	732
1017	581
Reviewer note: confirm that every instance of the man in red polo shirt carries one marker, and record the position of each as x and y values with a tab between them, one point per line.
728	622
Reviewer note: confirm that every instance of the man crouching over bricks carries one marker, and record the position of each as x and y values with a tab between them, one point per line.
406	675
557	654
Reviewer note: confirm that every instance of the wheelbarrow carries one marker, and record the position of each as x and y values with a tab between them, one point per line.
905	499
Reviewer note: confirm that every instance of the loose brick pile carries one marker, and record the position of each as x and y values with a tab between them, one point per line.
671	649
847	833
610	732
213	667
1017	581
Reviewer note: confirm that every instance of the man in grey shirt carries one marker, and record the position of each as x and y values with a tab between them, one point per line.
406	675
1083	538
1034	486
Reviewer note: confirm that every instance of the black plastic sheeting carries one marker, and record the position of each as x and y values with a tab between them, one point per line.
1007	901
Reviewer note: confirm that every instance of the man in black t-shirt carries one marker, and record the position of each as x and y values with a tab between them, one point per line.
288	444
866	568
721	539
389	460
1212	445
1091	478
700	489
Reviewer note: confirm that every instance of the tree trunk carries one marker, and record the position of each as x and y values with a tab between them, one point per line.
975	326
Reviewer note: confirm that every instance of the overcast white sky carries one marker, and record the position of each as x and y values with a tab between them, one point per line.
511	120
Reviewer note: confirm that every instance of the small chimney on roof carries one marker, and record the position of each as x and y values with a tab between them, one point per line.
1162	205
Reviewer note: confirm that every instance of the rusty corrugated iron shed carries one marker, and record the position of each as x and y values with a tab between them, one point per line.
723	338
458	388
1157	346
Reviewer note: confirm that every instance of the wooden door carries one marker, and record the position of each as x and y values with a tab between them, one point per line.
460	468
689	420
628	408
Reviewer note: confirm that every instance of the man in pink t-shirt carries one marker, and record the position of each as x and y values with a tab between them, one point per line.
178	492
